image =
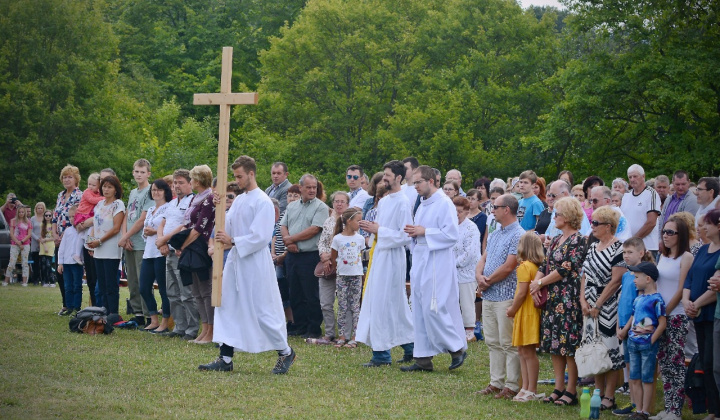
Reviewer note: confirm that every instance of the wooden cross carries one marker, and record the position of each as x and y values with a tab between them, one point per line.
225	99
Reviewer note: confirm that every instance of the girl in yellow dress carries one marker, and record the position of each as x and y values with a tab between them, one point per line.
526	325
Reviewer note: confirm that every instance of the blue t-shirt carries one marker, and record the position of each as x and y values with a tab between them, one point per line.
702	268
647	309
528	211
628	293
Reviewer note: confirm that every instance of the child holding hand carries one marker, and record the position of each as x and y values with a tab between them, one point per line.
526	325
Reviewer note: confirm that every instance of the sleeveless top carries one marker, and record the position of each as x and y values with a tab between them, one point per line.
667	284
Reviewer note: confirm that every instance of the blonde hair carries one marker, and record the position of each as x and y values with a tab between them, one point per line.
530	248
639	244
94	175
70	170
689	220
578	187
203	175
571	211
606	214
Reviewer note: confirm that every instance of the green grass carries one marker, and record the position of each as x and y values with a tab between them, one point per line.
46	371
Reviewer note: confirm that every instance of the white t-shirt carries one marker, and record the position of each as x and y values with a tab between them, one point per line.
175	213
102	224
361	197
636	209
152	220
349	254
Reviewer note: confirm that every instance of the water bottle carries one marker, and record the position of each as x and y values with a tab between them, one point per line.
585	403
595	405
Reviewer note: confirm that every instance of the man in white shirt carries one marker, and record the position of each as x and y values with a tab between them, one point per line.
708	198
358	196
641	206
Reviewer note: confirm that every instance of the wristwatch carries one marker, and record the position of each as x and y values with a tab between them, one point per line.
540	282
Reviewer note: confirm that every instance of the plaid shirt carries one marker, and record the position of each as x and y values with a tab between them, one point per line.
502	243
62	206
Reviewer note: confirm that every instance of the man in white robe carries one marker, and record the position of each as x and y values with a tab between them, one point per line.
251	318
385	317
433	278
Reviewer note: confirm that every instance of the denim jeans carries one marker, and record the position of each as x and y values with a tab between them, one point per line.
151	270
107	272
383	356
643	358
72	278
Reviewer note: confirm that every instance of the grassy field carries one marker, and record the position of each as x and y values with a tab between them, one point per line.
48	372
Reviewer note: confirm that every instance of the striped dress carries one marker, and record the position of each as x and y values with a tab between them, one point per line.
598	273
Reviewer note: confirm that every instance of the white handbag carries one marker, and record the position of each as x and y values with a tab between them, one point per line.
592	357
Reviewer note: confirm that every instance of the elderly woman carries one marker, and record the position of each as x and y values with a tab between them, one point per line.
561	319
602	276
103	240
620	185
68	197
340	202
199	224
699	301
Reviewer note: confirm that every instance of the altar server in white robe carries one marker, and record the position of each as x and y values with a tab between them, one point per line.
385	316
433	278
251	318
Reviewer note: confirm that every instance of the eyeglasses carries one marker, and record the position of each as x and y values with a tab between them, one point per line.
558	215
340	202
596	223
552	195
669	232
355	177
419	182
230	196
448	189
701	189
497	207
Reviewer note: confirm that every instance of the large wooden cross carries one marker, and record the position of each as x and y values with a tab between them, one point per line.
225	99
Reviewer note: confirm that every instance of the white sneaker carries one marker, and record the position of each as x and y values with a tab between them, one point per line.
24	285
52	284
662	415
4	284
470	336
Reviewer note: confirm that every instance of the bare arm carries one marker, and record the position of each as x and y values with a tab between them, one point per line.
685	263
662	323
522	291
194	234
649	225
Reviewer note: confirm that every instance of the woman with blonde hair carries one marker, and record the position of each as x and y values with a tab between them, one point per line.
561	319
68	197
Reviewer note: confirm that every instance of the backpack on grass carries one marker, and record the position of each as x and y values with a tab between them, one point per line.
91	320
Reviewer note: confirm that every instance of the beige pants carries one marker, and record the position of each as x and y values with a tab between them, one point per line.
504	361
467	303
15	251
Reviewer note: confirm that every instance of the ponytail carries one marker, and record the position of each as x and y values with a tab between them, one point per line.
344	218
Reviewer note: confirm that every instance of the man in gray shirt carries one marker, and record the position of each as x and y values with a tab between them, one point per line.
278	190
300	229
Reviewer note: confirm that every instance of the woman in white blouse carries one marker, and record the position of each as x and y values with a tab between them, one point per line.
467	255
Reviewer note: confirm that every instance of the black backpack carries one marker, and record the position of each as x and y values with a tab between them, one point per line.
90	319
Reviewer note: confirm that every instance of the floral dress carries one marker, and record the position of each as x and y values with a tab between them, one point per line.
561	320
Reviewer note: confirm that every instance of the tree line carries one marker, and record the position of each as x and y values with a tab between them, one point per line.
479	85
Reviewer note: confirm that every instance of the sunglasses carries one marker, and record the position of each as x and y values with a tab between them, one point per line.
596	223
594	201
497	207
230	196
552	195
48	215
355	177
669	232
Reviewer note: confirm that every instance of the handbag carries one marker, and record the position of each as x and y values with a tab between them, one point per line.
541	301
592	357
324	273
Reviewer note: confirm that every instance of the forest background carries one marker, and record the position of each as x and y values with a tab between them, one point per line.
479	85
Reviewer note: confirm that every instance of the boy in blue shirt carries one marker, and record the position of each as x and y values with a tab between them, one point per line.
529	206
643	330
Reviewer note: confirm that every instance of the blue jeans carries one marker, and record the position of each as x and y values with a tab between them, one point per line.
151	270
643	359
383	356
107	273
72	278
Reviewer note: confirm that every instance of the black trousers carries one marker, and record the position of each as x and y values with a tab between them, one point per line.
58	277
304	291
35	273
90	275
704	333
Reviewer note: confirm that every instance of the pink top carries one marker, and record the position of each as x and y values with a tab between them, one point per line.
22	232
588	210
88	201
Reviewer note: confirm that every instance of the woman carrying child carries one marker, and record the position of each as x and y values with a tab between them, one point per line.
346	256
526	325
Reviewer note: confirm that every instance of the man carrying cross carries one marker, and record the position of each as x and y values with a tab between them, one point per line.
251	318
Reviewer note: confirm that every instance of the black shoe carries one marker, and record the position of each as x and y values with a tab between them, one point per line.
283	363
218	365
140	321
414	367
295	333
171	334
406	359
189	337
458	361
376	364
65	312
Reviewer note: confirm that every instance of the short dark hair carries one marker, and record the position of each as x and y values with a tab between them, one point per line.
483	182
569	174
412	160
396	167
294	189
511	202
712	217
355	168
115	182
681	174
246	163
496	190
161	184
234	187
110	171
530	175
184	173
711	183
683	233
427	173
590	181
461	202
283	164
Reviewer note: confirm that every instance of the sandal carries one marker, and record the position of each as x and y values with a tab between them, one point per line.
604	407
573	399
556	394
340	343
351	344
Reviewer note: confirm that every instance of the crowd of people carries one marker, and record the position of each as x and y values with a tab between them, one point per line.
411	261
